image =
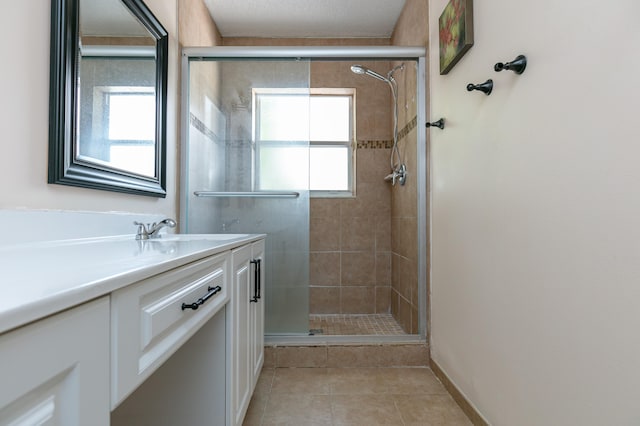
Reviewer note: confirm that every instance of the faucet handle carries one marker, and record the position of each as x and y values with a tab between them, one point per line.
143	233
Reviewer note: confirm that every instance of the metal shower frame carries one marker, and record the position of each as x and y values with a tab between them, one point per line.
328	53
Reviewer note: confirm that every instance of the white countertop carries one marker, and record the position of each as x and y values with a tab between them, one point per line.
40	279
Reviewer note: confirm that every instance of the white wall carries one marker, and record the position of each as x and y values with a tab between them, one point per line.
24	119
536	213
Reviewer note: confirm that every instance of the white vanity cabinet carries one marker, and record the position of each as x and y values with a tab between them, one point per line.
55	371
159	332
151	319
246	328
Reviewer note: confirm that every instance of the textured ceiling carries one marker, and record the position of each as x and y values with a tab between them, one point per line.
305	18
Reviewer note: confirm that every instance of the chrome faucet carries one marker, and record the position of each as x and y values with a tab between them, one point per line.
149	230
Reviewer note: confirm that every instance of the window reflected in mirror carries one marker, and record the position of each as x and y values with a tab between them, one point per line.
117	89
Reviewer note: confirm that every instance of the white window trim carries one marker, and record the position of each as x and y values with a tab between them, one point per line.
351	144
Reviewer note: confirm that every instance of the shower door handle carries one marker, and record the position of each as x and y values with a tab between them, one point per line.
252	194
256	281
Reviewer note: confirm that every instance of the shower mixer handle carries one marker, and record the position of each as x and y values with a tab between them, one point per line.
399	174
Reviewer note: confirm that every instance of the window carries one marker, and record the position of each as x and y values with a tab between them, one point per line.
131	116
120	131
131	130
286	121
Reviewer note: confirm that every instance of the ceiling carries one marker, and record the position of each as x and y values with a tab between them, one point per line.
305	18
109	18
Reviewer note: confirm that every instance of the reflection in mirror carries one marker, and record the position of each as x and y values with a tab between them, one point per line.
112	136
117	89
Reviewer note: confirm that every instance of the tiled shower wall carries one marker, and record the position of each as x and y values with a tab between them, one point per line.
364	251
350	239
411	30
350	243
404	210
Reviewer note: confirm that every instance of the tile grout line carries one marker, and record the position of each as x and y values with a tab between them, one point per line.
331	410
268	398
395	404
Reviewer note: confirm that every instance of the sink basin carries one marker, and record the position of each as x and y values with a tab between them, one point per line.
196	237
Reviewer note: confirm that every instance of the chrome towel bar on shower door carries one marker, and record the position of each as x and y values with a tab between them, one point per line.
256	194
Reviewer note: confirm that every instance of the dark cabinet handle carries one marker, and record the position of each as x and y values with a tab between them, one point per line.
257	284
195	305
259	277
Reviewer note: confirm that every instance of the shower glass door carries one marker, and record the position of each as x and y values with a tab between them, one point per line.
246	170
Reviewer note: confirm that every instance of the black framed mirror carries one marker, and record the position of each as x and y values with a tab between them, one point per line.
108	94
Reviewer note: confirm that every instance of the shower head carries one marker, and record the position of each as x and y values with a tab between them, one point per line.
359	69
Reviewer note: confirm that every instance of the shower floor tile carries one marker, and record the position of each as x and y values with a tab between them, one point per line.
354	324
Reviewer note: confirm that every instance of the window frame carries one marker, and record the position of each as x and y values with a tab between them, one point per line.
351	144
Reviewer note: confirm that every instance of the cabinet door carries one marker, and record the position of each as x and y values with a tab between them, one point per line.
242	290
56	371
257	314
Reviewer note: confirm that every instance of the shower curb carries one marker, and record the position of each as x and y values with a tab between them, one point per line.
344	355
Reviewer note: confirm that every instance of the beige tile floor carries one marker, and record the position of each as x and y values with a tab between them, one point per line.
408	396
355	324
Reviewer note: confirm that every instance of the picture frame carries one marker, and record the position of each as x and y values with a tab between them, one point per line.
455	27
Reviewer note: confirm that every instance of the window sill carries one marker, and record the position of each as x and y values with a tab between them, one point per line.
331	194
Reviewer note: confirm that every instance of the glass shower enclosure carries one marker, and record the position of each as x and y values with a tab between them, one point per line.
239	174
242	177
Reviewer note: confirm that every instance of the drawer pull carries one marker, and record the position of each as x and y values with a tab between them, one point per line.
197	303
256	280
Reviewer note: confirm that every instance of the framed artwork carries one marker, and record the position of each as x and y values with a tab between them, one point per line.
456	32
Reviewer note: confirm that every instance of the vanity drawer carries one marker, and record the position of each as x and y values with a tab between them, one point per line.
151	319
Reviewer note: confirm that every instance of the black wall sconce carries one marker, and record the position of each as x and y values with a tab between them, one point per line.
517	65
439	124
485	87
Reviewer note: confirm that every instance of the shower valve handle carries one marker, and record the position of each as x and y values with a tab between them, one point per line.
398	174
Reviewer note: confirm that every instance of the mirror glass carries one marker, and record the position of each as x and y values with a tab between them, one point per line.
107	129
117	112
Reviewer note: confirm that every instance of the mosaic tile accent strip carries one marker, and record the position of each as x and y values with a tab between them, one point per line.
239	143
212	136
202	128
354	324
361	144
388	144
379	144
408	128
